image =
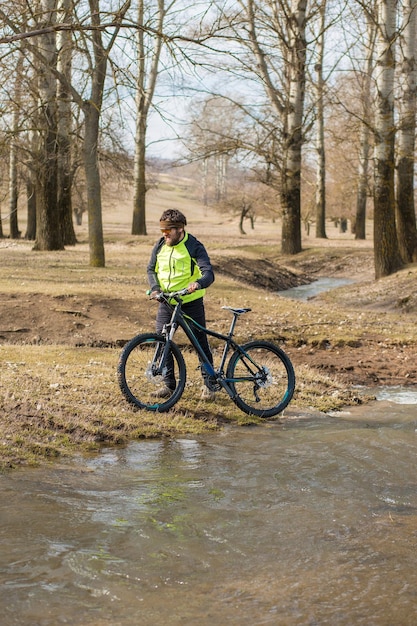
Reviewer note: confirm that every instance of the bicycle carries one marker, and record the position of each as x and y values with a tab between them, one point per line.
259	377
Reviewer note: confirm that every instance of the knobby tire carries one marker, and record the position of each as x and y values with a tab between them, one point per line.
134	373
262	378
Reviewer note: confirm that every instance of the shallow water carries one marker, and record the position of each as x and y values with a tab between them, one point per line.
397	394
312	520
304	292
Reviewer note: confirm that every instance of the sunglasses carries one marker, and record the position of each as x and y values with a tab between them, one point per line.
166	231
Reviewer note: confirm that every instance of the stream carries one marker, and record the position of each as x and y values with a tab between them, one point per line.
309	520
305	292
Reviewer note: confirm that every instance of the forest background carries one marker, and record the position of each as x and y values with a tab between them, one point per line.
311	103
296	126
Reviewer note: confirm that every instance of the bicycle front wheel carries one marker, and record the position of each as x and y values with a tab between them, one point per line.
143	377
262	378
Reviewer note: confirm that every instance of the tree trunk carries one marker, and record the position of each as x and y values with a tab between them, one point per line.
221	176
13	184
92	174
293	140
405	209
13	188
365	133
286	103
245	211
362	192
204	181
92	110
31	209
139	174
33	140
64	45
386	252
145	88
48	228
320	147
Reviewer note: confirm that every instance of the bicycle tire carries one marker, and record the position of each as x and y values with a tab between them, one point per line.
136	380
262	378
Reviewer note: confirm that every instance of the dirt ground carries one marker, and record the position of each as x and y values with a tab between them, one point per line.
94	320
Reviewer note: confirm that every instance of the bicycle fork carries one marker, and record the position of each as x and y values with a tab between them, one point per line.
161	358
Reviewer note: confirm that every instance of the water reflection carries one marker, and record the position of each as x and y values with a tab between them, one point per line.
311	521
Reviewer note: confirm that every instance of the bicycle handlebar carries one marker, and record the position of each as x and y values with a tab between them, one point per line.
167	295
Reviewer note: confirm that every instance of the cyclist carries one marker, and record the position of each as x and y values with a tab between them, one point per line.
178	261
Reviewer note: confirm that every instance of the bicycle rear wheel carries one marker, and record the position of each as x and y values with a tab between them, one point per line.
262	378
140	376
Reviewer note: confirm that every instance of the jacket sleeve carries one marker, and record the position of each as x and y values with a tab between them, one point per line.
199	253
151	269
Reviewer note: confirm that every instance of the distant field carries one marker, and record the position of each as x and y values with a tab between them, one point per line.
183	192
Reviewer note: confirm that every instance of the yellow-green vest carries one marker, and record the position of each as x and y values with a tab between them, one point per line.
176	269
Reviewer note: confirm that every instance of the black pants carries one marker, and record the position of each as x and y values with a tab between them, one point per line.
195	309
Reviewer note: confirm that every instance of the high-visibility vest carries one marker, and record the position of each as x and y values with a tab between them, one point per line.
176	268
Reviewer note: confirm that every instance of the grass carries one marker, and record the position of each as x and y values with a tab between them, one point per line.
57	400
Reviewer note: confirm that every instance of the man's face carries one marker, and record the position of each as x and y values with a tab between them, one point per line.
172	236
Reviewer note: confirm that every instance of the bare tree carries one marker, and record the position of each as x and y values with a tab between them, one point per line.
366	125
213	137
271	50
204	180
320	147
96	49
91	107
289	105
386	252
48	231
145	89
221	176
64	52
13	158
405	209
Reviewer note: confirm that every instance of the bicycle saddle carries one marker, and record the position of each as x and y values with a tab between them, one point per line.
236	311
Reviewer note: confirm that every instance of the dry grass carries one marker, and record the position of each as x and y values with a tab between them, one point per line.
56	400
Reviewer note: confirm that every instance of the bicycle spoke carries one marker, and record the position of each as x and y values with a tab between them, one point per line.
144	380
263	379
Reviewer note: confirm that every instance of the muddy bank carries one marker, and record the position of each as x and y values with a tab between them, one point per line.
261	273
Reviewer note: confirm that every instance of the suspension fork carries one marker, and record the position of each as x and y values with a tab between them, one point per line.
160	357
168	331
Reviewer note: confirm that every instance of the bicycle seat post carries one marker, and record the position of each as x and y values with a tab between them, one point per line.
233	323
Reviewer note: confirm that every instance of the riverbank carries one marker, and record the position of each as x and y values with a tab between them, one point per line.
63	325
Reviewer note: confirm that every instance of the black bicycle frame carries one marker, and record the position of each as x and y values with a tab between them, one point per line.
178	318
